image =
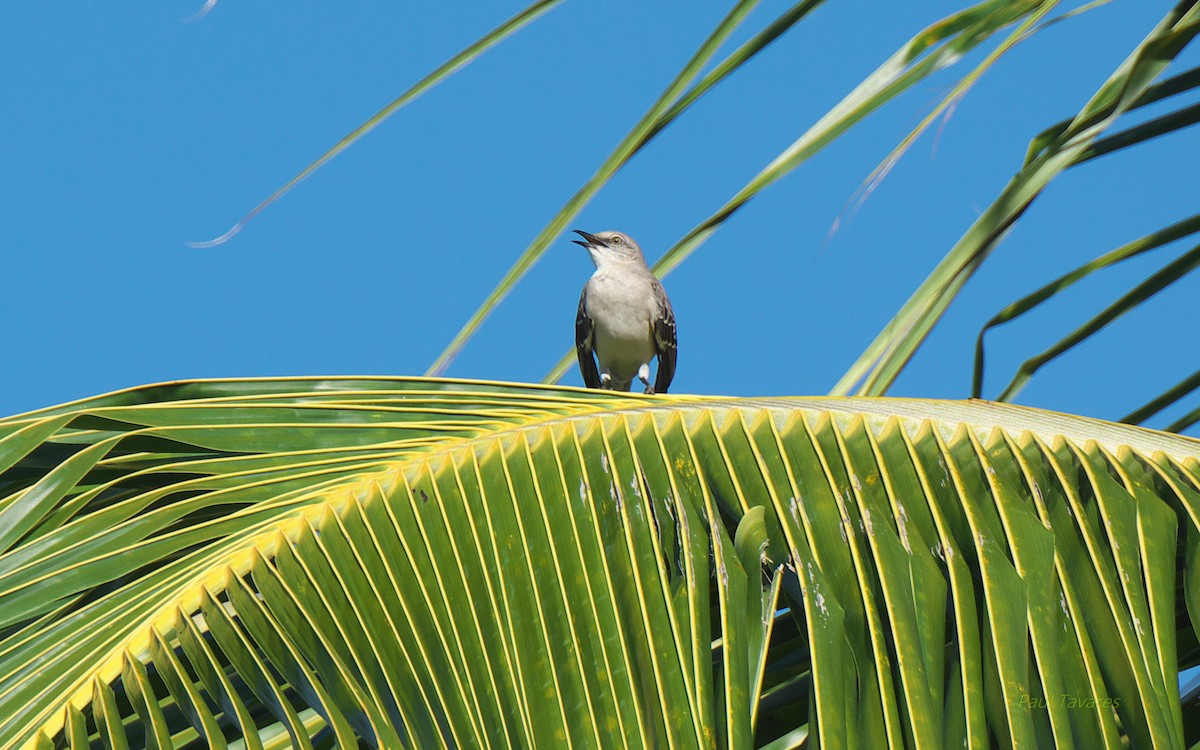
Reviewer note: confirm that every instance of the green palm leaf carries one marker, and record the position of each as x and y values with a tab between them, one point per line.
1060	147
430	563
463	58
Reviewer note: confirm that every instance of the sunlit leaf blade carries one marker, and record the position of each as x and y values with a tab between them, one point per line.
933	49
879	365
959	90
1077	11
569	567
439	74
1157	281
1152	241
1168	87
732	64
645	128
1182	118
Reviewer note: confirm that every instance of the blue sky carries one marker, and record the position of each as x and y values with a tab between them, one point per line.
128	133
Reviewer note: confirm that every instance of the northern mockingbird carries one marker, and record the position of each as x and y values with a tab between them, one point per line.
624	318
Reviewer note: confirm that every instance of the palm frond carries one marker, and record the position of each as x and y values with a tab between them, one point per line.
1052	152
1152	241
1152	285
1163	400
1143	292
439	74
430	563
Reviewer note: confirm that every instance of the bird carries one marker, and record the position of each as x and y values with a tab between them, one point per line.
624	318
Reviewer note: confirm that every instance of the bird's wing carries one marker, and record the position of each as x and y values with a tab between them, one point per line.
665	344
583	344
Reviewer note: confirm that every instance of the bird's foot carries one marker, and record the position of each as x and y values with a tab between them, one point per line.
644	376
606	381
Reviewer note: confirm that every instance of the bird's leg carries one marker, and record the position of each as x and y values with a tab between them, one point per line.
606	381
644	376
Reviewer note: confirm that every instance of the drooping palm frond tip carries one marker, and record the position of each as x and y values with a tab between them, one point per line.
444	563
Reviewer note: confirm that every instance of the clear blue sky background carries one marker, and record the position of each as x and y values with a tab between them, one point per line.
127	133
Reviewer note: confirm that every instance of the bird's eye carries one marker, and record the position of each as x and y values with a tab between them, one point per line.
617	239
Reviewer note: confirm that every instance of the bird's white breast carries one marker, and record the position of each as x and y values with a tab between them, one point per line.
621	307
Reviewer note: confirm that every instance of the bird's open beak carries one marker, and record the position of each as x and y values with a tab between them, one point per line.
591	239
